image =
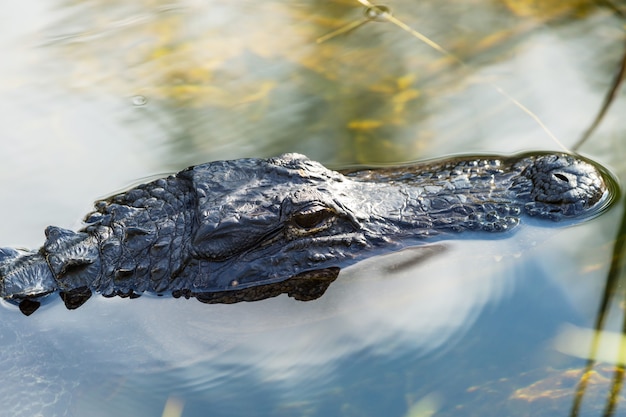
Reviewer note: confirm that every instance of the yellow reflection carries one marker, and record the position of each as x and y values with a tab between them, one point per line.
427	406
364	124
558	385
547	9
385	13
173	407
575	341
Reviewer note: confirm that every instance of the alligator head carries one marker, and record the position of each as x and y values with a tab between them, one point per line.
268	220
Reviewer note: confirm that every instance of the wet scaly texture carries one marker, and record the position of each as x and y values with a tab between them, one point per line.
249	229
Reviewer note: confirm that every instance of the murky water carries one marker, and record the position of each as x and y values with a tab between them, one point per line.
97	95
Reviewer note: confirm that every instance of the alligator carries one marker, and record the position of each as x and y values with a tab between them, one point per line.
249	229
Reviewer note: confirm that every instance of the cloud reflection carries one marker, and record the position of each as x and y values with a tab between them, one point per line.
368	310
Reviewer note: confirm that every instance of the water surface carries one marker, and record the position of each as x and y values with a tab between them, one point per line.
96	96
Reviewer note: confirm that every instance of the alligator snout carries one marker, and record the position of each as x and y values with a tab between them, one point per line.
564	186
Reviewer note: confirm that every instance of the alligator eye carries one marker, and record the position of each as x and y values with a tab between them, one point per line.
312	218
561	177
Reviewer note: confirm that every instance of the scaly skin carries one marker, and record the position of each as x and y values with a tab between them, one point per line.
249	229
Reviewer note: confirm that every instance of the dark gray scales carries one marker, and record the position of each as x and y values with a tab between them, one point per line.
249	229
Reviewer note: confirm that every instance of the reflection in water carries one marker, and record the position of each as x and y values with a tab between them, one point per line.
611	293
371	320
173	407
211	350
608	101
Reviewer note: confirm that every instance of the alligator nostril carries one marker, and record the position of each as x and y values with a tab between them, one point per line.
561	177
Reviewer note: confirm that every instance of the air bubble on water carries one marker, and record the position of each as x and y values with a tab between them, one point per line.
139	100
377	12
